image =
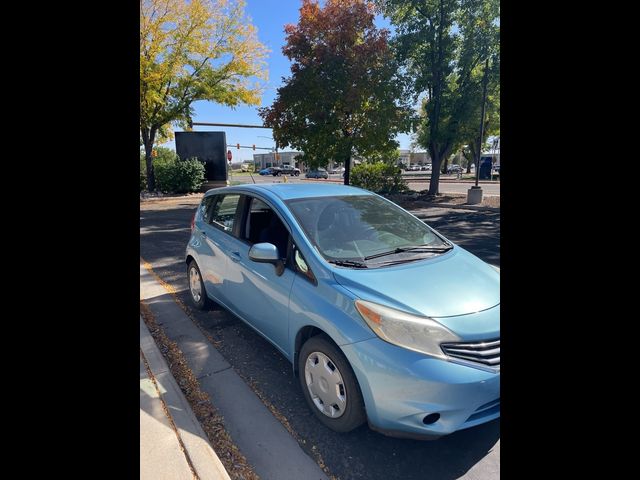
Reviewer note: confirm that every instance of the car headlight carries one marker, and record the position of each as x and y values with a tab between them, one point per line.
420	334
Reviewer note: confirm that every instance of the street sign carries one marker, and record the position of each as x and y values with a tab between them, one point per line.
229	155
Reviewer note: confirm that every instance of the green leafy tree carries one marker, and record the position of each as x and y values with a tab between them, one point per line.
479	58
441	43
342	96
189	51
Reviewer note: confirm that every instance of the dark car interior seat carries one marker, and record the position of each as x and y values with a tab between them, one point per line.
264	225
275	233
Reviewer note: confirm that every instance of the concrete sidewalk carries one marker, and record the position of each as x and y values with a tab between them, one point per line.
173	445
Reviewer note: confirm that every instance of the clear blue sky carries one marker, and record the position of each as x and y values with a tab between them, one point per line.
269	17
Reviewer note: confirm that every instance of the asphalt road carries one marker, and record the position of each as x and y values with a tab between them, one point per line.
489	189
362	454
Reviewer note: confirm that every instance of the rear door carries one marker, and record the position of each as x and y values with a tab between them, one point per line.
215	235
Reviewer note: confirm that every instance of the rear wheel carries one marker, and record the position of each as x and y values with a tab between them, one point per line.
196	287
330	386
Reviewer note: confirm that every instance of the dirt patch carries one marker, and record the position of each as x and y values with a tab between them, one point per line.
233	460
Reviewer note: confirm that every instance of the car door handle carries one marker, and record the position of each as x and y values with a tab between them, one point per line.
235	256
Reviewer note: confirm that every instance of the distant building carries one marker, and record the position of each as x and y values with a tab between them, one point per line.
405	157
421	158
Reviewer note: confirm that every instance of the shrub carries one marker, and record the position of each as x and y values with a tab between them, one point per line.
174	176
378	177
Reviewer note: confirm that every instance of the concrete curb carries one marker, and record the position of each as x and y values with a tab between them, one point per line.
203	458
268	446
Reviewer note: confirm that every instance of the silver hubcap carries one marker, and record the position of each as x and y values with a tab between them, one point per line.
194	284
325	385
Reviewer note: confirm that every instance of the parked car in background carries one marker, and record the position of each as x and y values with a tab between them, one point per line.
288	170
266	171
319	173
454	168
426	167
384	320
245	167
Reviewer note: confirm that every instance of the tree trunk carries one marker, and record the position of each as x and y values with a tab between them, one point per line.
148	138
436	160
347	161
445	164
347	170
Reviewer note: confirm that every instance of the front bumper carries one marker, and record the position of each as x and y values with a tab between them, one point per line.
401	387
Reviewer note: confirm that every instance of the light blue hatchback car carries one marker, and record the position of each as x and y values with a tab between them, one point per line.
383	319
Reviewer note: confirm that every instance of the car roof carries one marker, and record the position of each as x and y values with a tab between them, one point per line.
289	191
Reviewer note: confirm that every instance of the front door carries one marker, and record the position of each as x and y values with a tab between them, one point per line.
254	290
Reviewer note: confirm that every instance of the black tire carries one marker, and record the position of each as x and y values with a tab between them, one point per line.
354	413
204	303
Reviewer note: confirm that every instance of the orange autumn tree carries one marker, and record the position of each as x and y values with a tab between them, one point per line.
343	95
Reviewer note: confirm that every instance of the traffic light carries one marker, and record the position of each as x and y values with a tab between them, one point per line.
254	147
238	145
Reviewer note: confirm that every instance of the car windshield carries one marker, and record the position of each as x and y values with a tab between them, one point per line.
361	227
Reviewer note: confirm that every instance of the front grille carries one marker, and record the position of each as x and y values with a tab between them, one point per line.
484	353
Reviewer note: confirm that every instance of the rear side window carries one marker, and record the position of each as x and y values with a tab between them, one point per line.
205	207
224	212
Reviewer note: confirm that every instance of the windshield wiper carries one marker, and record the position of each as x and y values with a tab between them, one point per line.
348	263
419	248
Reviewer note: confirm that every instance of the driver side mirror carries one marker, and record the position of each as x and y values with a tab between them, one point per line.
267	253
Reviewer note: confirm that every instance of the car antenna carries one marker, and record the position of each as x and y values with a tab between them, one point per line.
252	177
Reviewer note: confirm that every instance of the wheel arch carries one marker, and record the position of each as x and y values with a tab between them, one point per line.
304	334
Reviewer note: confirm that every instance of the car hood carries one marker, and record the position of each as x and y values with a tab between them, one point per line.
452	284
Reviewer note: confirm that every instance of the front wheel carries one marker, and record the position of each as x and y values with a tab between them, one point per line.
329	385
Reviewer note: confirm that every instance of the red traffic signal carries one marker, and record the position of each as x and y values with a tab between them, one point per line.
238	145
254	147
